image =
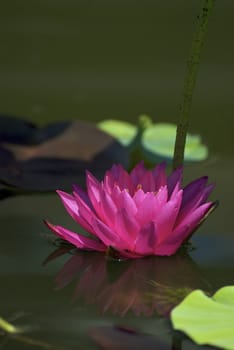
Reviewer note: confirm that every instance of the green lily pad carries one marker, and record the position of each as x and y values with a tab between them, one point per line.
124	132
159	139
207	320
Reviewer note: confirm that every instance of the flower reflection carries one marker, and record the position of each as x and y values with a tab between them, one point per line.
142	286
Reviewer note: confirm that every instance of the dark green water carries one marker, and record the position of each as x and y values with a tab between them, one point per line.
92	60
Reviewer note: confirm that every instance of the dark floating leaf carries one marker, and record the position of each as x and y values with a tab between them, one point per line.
55	156
20	131
16	130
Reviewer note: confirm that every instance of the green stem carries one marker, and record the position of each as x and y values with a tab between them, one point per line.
190	81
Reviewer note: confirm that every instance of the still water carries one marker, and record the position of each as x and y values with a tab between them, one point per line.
92	60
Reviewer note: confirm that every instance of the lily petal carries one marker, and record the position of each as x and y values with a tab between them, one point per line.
174	179
94	191
137	173
69	203
159	175
126	201
168	216
82	194
78	240
192	196
189	224
147	239
85	214
126	227
109	209
107	235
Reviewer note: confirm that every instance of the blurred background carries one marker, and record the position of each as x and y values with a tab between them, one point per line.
91	60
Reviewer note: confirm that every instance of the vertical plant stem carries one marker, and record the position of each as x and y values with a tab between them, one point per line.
190	81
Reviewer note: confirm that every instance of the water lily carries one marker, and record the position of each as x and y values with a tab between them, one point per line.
135	214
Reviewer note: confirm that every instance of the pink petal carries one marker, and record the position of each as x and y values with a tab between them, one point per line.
69	203
138	197
161	196
148	209
192	196
167	217
207	191
74	206
191	221
122	178
174	179
194	189
126	227
127	202
94	189
78	240
125	182
116	192
82	194
109	209
115	171
183	231
137	173
159	175
147	238
151	206
107	235
175	191
167	249
85	214
109	182
112	177
148	182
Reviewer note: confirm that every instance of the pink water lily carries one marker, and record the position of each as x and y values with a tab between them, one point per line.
137	214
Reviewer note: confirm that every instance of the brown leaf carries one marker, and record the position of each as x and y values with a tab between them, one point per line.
80	140
55	156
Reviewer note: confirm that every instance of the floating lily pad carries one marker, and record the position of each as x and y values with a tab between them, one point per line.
159	140
124	132
207	320
154	141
